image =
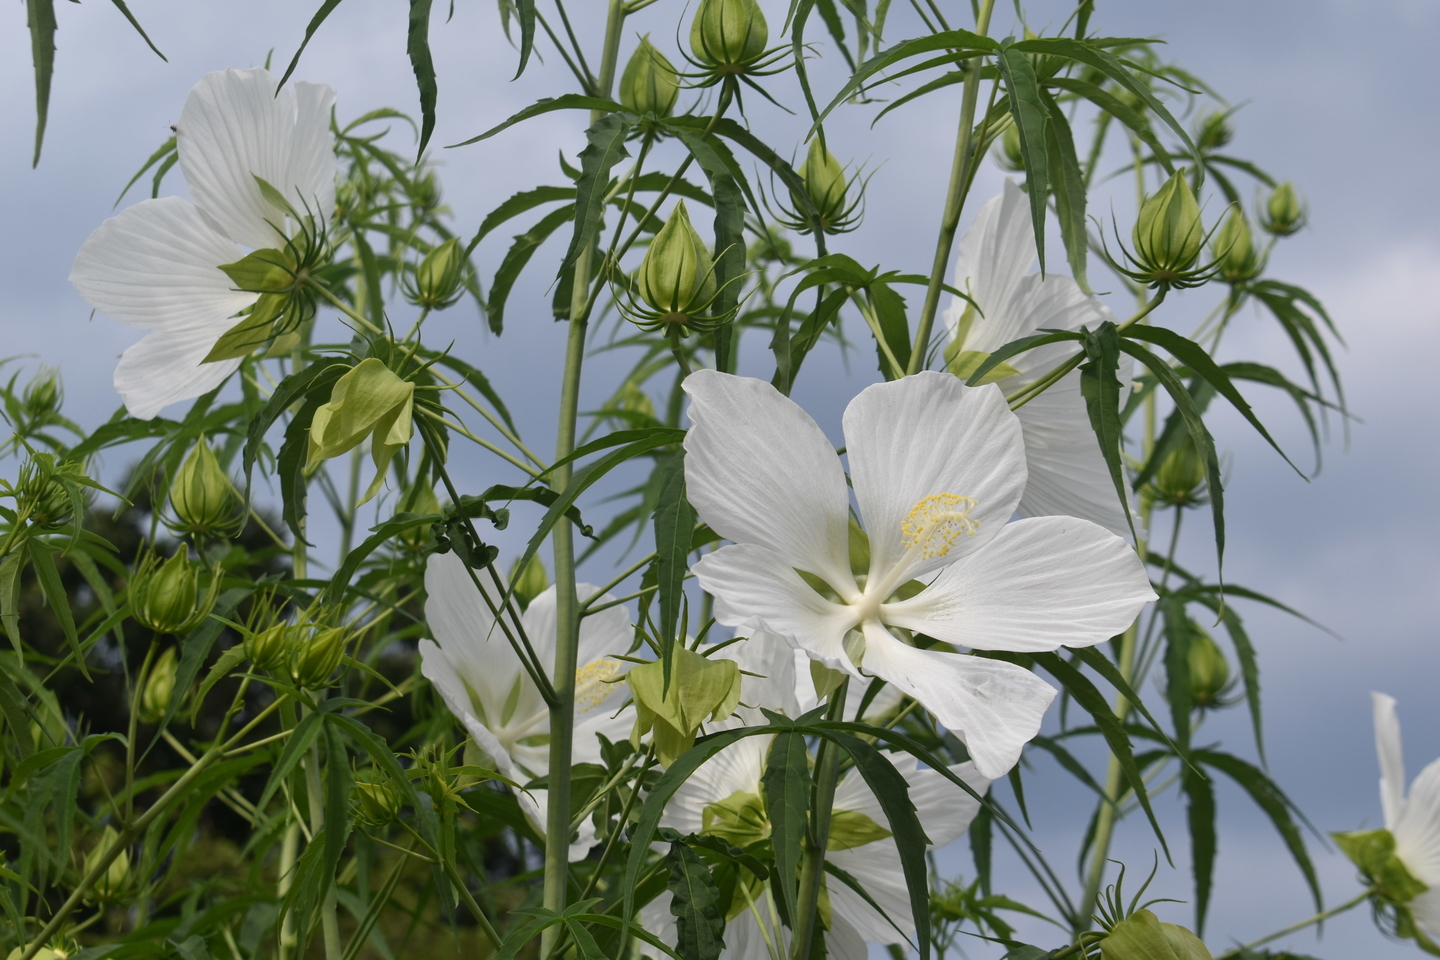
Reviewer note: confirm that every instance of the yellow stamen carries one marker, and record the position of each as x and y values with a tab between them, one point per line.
593	683
936	522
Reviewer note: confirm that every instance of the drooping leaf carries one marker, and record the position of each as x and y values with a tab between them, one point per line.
417	47
695	904
1032	122
674	525
40	18
786	785
1101	388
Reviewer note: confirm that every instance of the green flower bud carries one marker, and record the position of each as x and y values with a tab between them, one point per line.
1215	131
369	401
649	84
1009	154
112	882
165	597
377	799
677	276
438	278
44	953
728	35
159	687
202	496
1141	936
313	661
530	582
1180	480
425	192
1209	670
826	183
698	687
1373	851
1234	249
1168	233
40	491
1284	213
43	395
272	647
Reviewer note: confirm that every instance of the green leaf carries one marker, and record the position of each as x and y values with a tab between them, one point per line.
519	254
1067	183
605	147
960	44
167	150
319	376
296	746
325	10
1100	386
1117	108
125	11
40	17
674	520
695	904
1032	122
786	783
1200	816
10	568
516	205
569	101
16	712
42	557
1019	346
195	648
1179	632
396	525
417	46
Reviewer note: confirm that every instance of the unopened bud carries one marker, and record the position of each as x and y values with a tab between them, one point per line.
649	84
1168	232
826	183
1141	936
1009	154
530	582
677	276
202	497
43	395
40	493
159	687
1215	131
368	401
438	278
315	660
377	799
1284	213
1235	249
1181	476
728	35
112	882
1209	670
270	648
699	687
425	192
165	597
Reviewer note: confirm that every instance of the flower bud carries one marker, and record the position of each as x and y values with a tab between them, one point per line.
677	276
159	687
438	278
698	687
826	183
43	395
1181	476
40	493
377	799
1215	131
270	648
1009	154
165	597
425	192
1209	670
112	882
201	496
1141	936
1168	233
44	953
728	34
530	582
1234	249
313	661
369	401
649	84
1284	213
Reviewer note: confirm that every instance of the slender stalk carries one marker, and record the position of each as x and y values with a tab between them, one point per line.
954	199
817	838
1325	915
329	922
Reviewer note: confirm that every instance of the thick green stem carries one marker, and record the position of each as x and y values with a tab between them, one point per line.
817	838
954	199
329	922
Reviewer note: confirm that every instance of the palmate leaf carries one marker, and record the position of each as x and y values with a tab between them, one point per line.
1200	818
519	203
958	44
674	520
568	101
1067	185
1115	107
605	147
516	258
1032	122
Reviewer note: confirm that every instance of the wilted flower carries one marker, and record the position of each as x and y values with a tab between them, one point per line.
160	264
938	468
368	401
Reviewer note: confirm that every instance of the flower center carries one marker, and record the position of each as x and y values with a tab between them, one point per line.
594	683
936	522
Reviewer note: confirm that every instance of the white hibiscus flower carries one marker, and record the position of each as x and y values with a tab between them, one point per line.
156	265
482	681
724	798
938	469
1068	475
1413	820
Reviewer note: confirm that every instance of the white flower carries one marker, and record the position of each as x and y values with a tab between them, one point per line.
1413	820
1068	475
732	778
156	265
938	469
482	681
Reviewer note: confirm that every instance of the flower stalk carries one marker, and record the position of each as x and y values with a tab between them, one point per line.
817	838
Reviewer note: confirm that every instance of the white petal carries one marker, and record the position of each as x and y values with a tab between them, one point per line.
463	626
156	266
771	670
1417	829
165	367
842	940
1040	584
1067	473
759	470
1426	911
931	434
440	671
753	588
535	803
235	128
994	255
995	708
876	867
738	767
1392	757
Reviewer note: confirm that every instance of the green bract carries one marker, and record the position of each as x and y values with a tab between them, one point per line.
728	35
1142	936
314	658
369	401
201	497
1168	232
1235	249
649	84
438	278
699	687
165	597
1284	213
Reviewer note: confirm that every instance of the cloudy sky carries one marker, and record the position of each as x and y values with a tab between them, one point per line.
1339	98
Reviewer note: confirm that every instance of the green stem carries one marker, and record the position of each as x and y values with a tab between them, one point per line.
1324	915
329	922
817	838
954	199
